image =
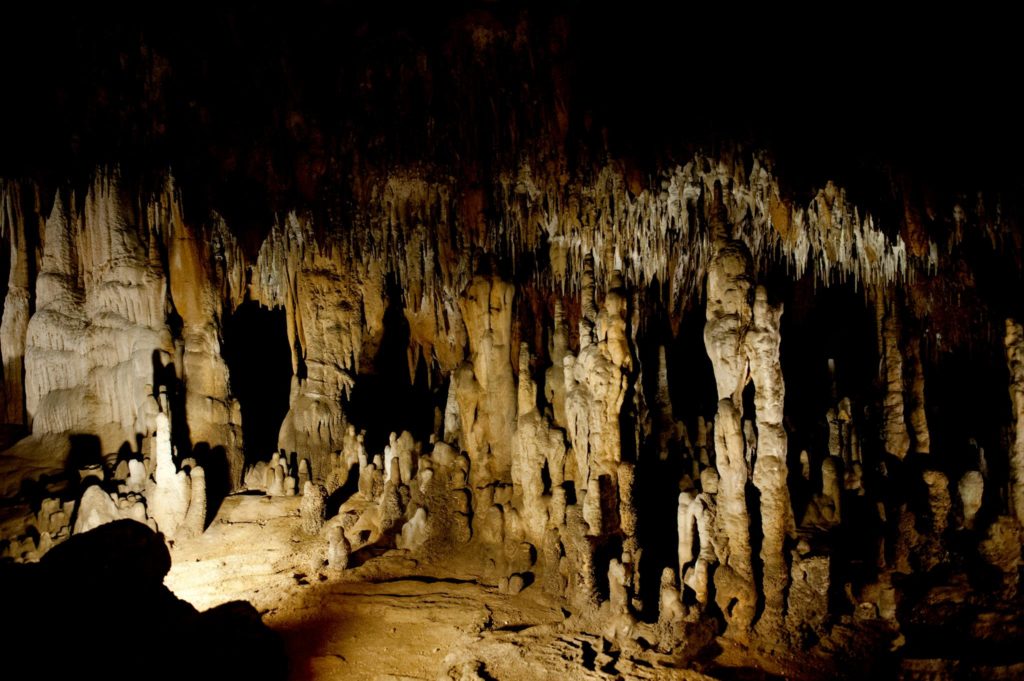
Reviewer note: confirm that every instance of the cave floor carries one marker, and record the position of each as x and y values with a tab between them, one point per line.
391	617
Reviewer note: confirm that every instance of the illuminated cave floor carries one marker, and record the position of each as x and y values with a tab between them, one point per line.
393	618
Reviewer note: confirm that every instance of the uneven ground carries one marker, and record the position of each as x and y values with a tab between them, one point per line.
391	618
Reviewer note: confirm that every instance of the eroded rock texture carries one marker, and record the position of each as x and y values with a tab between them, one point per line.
1015	360
99	333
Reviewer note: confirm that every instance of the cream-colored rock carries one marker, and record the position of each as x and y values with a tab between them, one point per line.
535	446
670	605
415	532
99	329
195	518
729	315
95	508
770	472
167	503
484	386
825	509
971	489
698	552
597	381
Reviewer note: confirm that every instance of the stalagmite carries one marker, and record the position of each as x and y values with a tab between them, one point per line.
918	417
1015	360
484	385
535	446
808	595
728	316
338	549
167	502
697	519
770	471
195	518
666	423
314	507
971	490
95	508
894	427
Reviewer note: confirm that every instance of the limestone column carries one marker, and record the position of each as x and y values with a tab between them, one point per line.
728	316
894	427
770	471
16	306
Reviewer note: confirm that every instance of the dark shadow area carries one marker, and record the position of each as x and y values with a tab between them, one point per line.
257	355
97	603
215	465
386	400
85	451
340	495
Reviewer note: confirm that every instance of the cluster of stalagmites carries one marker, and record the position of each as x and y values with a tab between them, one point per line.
532	473
153	486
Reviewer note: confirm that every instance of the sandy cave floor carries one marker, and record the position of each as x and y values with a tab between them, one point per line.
391	617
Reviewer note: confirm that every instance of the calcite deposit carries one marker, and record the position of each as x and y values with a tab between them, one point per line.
458	360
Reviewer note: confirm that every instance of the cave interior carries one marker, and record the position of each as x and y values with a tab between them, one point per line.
510	340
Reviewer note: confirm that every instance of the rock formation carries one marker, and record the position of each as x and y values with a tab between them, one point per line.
1015	360
770	474
483	385
521	328
729	314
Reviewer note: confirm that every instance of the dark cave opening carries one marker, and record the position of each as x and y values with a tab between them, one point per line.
257	355
386	399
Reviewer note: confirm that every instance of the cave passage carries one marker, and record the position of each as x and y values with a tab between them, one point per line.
386	399
256	352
